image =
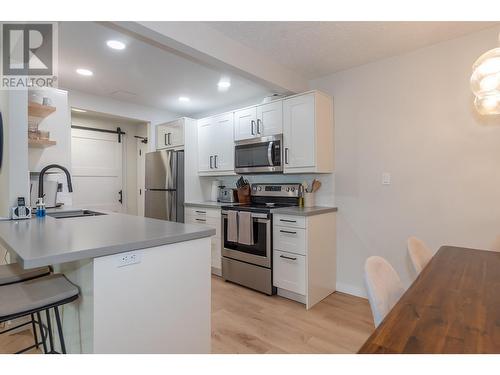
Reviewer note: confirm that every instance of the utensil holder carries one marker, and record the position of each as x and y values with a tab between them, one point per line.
244	194
309	199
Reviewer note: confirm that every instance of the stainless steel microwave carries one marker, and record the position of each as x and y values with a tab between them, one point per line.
259	155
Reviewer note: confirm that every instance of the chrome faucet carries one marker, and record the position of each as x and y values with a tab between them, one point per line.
42	173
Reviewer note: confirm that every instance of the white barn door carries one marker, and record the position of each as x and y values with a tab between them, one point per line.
97	166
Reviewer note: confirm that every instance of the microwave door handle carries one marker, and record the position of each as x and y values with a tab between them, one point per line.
270	154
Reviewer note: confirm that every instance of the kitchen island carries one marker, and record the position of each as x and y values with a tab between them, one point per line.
144	283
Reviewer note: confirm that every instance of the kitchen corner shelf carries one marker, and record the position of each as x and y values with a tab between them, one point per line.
41	143
39	111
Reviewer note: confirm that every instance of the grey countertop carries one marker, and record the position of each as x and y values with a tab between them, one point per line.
41	242
208	204
304	211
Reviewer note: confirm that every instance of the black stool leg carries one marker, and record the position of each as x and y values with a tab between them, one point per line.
35	335
49	327
44	339
59	329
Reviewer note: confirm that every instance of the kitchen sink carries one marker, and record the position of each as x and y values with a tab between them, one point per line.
73	213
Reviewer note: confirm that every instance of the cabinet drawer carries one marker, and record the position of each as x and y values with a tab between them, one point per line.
209	221
289	271
202	212
290	221
292	240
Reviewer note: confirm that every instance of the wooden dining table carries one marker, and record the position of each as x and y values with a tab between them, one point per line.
452	307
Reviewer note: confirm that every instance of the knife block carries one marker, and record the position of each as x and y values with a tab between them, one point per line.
244	194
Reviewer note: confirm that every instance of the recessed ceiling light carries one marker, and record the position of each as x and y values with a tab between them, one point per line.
84	72
184	99
115	44
224	84
78	110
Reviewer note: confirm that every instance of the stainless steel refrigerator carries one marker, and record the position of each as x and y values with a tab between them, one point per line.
164	189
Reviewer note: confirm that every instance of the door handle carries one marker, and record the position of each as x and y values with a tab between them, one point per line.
211	158
285	257
286	155
270	154
120	193
252	124
258	127
215	162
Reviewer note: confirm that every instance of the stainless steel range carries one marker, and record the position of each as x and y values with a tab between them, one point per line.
249	262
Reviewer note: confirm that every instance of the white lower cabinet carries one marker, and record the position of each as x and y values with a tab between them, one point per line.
289	271
212	218
304	257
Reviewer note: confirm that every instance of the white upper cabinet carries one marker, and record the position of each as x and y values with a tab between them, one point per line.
245	123
308	133
170	135
270	119
215	145
259	121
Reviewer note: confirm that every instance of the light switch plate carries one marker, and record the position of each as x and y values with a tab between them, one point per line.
386	178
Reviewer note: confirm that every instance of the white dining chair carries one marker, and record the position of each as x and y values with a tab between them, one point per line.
495	246
419	253
383	285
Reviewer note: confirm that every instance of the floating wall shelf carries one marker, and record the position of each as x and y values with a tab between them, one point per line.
39	111
41	143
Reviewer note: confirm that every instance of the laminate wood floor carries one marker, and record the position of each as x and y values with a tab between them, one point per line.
244	321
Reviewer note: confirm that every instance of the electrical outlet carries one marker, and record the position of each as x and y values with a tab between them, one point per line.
386	178
127	259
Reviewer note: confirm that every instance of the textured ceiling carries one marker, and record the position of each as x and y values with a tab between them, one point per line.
316	49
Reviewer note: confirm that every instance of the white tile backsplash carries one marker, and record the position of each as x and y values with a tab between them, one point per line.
324	197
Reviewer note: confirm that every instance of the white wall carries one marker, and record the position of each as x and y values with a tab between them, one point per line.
110	106
14	170
412	116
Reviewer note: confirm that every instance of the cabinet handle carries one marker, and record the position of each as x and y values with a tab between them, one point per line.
286	155
285	257
258	126
200	219
252	124
200	212
168	138
215	161
211	158
288	221
287	231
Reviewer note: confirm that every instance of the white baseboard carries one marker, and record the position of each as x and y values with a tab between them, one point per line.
350	289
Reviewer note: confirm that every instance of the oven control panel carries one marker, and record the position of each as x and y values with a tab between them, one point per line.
276	190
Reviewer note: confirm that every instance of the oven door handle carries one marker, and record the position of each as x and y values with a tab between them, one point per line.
270	154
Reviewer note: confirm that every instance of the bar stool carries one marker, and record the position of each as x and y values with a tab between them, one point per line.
35	296
14	273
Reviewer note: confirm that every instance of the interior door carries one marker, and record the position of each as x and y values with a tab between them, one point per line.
245	124
97	165
299	131
270	118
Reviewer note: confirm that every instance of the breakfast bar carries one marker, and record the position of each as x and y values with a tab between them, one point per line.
139	279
